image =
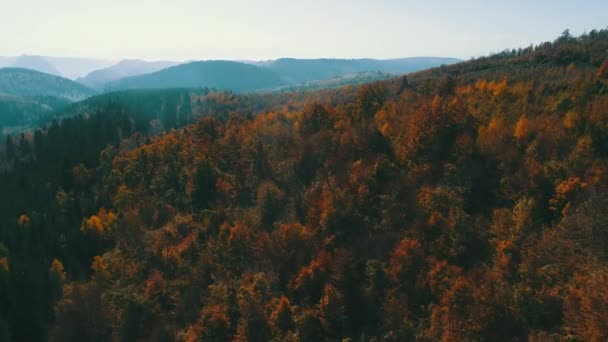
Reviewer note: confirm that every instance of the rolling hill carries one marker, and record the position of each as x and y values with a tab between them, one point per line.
25	82
295	71
68	67
351	79
19	113
223	75
99	78
270	75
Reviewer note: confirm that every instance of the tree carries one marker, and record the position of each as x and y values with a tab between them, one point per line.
24	145
185	110
252	325
331	311
205	180
58	277
405	263
314	118
9	148
370	98
282	317
213	325
586	306
81	315
403	84
309	326
269	203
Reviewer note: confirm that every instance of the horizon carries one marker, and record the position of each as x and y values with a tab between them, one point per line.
187	30
116	61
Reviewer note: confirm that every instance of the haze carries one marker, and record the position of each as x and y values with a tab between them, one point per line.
241	29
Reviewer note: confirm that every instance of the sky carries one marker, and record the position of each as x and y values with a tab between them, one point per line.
258	30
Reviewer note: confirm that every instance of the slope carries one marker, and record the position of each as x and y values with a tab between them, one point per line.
99	78
75	67
296	71
466	202
21	113
222	75
37	63
25	82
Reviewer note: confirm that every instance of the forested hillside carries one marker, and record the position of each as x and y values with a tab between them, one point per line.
296	71
21	113
467	202
284	73
30	99
222	75
26	82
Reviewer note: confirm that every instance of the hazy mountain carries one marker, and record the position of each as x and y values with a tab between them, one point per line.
25	82
296	71
73	68
126	68
38	63
68	67
5	61
102	75
224	75
266	75
98	73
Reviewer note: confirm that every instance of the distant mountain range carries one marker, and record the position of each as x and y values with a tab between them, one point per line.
35	63
74	68
31	93
67	67
126	68
104	75
256	76
100	73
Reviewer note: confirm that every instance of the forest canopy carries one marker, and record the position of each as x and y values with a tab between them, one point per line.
466	202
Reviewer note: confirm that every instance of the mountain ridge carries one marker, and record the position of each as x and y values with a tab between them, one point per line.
68	67
27	82
219	74
286	72
125	68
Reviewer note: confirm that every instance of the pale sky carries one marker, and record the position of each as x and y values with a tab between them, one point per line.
248	29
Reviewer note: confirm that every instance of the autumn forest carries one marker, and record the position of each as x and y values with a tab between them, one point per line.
467	202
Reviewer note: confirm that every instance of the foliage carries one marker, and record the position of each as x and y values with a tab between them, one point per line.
467	202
